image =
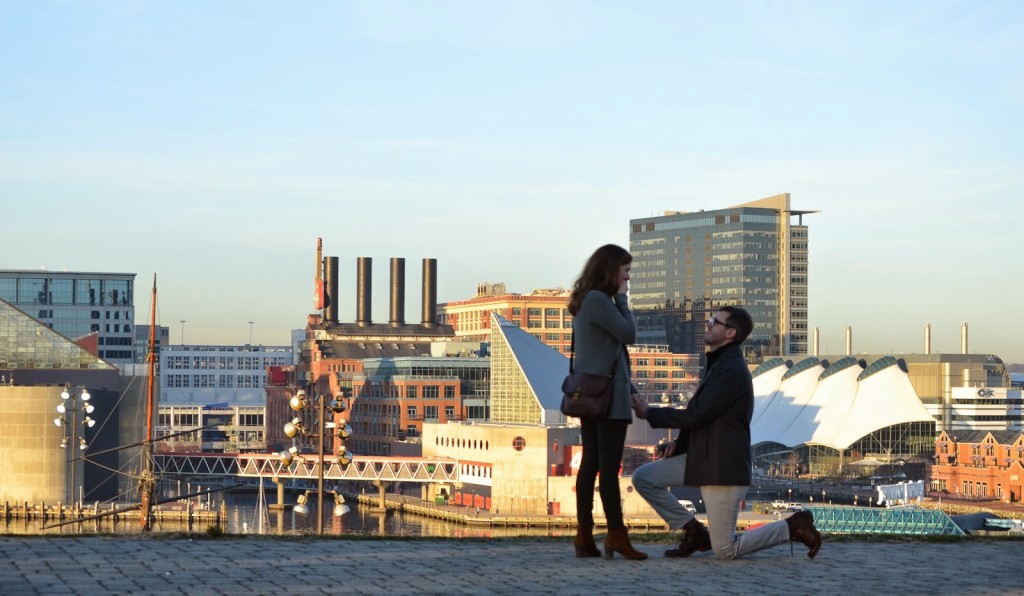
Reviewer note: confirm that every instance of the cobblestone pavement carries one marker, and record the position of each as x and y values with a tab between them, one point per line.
247	565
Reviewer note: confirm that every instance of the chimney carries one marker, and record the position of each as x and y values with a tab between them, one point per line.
928	338
814	342
963	337
364	282
331	282
849	340
397	318
429	292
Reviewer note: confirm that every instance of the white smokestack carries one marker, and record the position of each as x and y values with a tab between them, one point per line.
928	338
963	338
815	342
849	340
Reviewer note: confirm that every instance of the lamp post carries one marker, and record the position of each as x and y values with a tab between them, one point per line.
343	431
73	402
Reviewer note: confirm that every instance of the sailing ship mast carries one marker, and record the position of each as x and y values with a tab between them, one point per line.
147	481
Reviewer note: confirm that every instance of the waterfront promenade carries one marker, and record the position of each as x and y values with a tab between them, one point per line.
309	565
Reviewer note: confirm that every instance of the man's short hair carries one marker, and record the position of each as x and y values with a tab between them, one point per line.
739	319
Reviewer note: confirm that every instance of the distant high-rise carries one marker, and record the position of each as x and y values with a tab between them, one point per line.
76	304
687	265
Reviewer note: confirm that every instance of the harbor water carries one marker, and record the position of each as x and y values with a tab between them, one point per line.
245	515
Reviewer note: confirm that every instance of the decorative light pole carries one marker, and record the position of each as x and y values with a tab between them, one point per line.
73	402
343	431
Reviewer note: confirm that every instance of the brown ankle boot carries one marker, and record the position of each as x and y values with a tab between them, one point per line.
584	542
618	540
695	538
801	529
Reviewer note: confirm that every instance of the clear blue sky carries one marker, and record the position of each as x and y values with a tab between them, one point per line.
211	143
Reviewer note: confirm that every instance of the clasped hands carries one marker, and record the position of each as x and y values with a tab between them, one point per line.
639	407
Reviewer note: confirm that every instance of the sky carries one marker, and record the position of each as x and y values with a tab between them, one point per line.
210	144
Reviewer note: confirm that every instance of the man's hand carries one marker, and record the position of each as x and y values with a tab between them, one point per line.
639	407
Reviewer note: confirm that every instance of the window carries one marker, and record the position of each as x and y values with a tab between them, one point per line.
430	413
431	392
449	392
519	443
551	312
412	391
449	412
411	412
533	312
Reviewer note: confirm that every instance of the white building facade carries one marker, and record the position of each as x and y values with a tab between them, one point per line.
985	408
223	375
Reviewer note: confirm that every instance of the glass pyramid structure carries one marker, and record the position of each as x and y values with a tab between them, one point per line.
873	520
526	376
26	343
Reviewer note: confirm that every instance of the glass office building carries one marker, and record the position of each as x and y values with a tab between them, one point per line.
76	304
687	265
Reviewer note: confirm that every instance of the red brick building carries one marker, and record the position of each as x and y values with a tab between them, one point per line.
979	465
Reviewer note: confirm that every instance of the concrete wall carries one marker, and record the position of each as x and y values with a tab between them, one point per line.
33	466
520	480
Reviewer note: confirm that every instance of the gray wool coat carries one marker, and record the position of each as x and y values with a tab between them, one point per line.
601	329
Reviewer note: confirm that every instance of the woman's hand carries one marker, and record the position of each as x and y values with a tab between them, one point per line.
639	407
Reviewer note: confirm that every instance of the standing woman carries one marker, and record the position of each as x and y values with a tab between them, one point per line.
602	326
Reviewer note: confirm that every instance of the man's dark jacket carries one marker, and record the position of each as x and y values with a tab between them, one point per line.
715	426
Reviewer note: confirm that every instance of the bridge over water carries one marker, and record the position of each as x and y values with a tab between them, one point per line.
381	471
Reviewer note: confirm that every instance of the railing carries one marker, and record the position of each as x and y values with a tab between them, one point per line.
306	466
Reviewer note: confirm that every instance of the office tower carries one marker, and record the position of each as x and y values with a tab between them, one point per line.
688	264
76	304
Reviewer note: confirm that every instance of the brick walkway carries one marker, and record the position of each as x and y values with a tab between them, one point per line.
248	566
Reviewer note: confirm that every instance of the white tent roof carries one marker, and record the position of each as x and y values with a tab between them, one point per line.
787	401
767	379
833	404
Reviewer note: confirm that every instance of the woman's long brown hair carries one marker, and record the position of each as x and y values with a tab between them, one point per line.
600	273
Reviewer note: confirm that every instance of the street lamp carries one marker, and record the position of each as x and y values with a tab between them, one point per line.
341	430
74	402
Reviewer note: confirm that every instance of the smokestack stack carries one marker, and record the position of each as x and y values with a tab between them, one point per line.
849	340
928	338
429	292
397	292
814	343
963	338
364	294
331	281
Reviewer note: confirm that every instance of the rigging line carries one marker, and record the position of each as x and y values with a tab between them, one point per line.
155	440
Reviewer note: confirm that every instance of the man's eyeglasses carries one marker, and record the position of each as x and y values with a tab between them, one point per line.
713	321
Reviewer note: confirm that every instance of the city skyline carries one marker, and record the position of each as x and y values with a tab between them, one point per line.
212	144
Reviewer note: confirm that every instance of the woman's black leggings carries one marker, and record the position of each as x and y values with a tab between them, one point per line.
603	443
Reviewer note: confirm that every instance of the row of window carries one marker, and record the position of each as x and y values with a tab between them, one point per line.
219	381
221	362
41	290
430	412
462	443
